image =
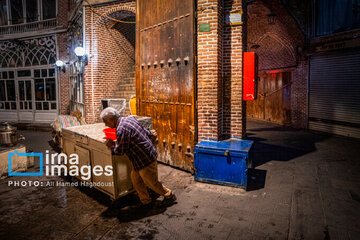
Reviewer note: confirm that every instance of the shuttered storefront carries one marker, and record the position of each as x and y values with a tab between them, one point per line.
334	98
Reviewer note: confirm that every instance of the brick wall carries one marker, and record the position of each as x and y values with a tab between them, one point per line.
277	46
64	86
299	97
63	10
209	82
126	87
234	111
219	86
110	73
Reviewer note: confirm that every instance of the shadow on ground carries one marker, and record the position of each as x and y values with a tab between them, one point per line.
256	179
294	145
263	153
127	208
132	212
298	143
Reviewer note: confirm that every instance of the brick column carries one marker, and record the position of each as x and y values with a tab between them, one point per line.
299	98
209	81
90	45
62	40
221	110
234	106
64	84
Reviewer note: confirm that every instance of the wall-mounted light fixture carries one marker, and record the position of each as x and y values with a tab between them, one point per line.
83	59
271	18
60	65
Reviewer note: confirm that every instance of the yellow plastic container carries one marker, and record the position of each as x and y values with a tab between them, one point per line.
133	105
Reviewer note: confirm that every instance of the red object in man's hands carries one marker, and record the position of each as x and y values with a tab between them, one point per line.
110	133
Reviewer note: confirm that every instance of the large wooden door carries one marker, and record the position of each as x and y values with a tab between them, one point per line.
273	101
165	76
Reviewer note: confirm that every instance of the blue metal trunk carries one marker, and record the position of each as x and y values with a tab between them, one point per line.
224	162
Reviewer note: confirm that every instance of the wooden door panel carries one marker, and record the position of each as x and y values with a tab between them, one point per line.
256	108
165	76
274	98
84	160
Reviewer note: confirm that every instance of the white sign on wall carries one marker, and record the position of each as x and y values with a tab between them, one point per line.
234	18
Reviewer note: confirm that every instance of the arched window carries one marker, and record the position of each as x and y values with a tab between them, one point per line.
27	53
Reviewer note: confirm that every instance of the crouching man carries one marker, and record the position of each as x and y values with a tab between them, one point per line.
134	141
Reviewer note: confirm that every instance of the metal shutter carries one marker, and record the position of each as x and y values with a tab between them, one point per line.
334	97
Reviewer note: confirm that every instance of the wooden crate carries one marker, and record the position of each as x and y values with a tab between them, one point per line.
88	142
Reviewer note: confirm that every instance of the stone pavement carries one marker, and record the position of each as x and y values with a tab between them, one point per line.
304	186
